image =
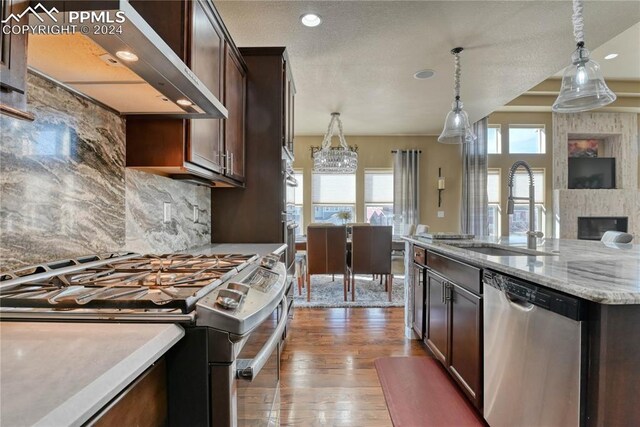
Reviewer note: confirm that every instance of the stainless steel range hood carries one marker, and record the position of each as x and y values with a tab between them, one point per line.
88	63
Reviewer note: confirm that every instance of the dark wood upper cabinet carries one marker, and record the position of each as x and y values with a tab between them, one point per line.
208	149
235	96
206	61
255	214
289	92
13	63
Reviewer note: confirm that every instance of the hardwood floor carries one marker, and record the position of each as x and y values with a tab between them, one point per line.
328	376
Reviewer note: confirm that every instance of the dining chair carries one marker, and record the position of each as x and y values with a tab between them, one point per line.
327	253
371	254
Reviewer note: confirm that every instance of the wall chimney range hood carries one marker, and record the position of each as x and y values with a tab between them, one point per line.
132	71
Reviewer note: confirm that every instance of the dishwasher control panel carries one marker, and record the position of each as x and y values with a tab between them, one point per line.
557	302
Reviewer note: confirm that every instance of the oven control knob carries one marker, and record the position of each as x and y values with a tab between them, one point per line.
229	298
269	261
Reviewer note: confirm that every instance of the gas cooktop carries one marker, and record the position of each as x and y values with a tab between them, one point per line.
139	282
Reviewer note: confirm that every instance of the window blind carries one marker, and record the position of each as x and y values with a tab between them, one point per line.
333	188
493	186
298	191
378	187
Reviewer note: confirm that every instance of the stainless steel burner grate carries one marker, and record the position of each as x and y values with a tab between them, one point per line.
173	281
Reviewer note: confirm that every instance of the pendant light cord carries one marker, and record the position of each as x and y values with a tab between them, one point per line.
456	77
578	22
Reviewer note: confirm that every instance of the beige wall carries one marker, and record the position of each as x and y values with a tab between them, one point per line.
374	152
538	161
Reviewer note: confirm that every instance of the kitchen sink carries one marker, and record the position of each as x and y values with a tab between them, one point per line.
500	250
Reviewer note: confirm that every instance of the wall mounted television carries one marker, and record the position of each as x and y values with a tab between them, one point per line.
592	172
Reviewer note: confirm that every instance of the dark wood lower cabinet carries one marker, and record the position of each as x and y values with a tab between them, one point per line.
465	357
437	315
142	404
418	299
454	333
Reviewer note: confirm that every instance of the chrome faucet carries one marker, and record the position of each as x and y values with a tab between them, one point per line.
532	235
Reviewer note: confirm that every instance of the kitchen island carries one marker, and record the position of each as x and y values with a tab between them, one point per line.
603	279
56	374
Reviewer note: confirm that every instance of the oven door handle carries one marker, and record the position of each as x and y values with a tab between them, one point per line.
248	369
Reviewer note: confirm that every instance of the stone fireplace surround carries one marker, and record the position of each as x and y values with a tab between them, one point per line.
619	131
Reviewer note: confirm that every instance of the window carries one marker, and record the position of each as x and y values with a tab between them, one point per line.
298	194
494	139
493	197
526	139
519	221
333	194
378	197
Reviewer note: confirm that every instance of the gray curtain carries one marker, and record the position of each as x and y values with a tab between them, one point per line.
473	219
406	190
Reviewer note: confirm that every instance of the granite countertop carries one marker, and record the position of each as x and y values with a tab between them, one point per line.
604	273
55	374
239	248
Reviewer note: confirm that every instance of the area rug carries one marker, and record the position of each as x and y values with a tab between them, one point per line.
326	292
419	392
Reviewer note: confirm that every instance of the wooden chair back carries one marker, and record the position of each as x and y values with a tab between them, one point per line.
371	249
326	249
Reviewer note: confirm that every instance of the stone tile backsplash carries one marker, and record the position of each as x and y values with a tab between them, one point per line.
65	191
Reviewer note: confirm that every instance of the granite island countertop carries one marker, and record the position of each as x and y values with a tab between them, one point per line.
61	374
603	273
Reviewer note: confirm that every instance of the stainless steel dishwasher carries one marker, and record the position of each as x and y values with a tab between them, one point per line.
532	354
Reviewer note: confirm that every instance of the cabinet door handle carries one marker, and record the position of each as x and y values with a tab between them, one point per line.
444	292
231	162
223	163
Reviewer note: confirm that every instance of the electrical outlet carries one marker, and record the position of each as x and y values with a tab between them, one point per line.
166	212
440	214
196	213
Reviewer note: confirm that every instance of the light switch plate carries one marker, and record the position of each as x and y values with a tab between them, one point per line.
166	212
196	213
440	214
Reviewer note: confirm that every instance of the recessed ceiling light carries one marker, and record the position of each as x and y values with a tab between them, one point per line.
125	55
611	56
184	102
424	74
310	20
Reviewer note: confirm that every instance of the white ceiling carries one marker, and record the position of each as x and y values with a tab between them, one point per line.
361	60
626	66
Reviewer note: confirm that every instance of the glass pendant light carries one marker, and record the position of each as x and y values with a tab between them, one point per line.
456	126
583	86
330	159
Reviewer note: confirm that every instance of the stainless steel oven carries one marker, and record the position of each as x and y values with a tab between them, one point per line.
234	309
288	216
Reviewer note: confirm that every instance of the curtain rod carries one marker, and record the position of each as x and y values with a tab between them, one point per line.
404	151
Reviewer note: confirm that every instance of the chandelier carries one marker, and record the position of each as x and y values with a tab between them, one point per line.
330	159
456	126
583	86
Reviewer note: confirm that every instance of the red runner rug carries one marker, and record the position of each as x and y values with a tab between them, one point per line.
420	393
